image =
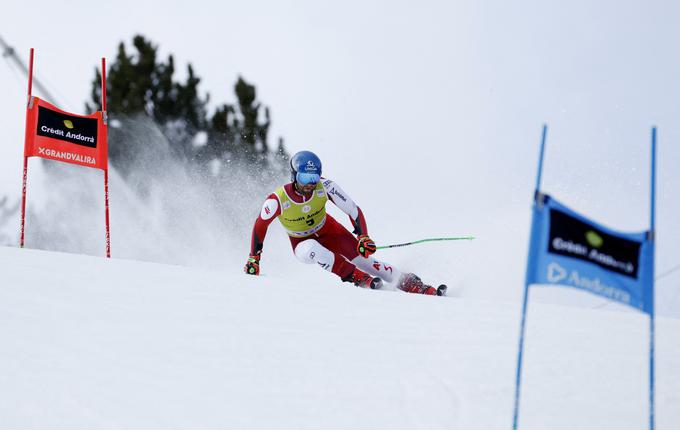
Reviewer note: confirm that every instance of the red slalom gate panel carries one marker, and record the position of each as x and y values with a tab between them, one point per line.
55	134
62	136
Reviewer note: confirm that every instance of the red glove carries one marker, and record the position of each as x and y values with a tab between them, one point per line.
365	246
253	265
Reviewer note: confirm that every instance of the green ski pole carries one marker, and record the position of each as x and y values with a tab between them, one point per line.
436	239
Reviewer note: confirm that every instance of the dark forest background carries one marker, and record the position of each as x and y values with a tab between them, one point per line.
139	83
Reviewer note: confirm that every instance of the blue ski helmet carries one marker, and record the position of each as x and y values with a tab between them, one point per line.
305	168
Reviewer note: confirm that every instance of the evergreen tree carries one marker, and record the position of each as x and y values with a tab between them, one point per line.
140	84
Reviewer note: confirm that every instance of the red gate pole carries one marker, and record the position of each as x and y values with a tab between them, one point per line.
106	170
106	202
23	190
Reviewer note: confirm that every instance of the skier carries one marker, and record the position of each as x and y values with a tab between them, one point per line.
317	238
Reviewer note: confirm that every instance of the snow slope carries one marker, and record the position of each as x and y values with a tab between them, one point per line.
88	343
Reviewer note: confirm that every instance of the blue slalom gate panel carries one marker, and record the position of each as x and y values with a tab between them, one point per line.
567	249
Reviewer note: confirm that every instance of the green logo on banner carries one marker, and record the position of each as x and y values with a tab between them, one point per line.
594	239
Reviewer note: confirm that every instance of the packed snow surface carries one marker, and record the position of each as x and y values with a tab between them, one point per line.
89	343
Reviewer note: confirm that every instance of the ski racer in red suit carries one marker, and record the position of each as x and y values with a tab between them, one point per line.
317	238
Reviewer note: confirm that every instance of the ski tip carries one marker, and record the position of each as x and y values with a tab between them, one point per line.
441	290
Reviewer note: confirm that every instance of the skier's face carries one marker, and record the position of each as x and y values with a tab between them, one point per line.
306	182
306	189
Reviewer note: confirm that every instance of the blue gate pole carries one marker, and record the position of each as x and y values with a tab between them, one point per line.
540	158
530	267
651	314
518	376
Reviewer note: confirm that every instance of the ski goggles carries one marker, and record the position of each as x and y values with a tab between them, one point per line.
307	178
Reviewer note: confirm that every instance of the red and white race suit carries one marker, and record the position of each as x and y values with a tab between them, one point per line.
332	247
